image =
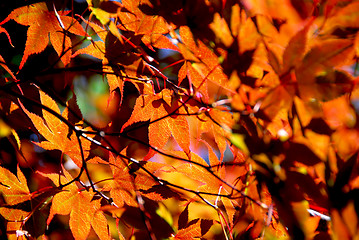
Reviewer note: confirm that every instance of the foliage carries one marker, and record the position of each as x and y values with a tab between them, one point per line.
158	119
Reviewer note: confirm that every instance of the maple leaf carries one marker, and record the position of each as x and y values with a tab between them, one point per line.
205	66
44	24
56	131
346	116
295	50
276	66
124	184
151	188
316	69
279	99
96	48
346	17
156	108
13	214
194	229
13	189
153	28
221	29
84	212
322	56
122	188
200	178
215	123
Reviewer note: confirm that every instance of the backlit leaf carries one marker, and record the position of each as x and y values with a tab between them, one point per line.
347	16
162	126
79	204
317	61
81	215
13	189
45	25
122	188
296	48
153	28
195	229
56	132
13	214
328	54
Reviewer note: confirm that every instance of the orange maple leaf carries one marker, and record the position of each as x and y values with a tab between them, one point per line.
194	229
156	108
122	188
151	188
203	179
201	63
13	214
13	189
84	212
329	53
215	123
124	185
346	17
45	24
295	49
316	69
153	28
56	131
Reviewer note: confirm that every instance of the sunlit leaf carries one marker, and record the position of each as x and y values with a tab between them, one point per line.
13	188
45	25
56	132
296	48
13	214
79	204
346	17
163	125
122	188
194	229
